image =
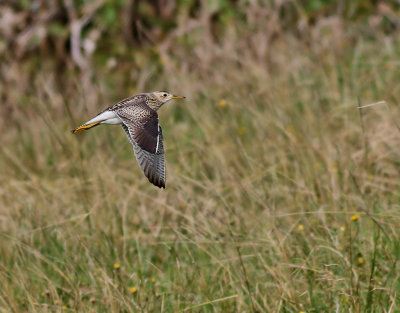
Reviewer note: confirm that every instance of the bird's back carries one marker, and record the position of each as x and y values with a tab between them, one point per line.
136	100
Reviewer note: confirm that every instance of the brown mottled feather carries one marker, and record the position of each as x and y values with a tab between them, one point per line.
140	100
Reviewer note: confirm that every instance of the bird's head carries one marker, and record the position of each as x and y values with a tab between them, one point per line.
161	97
164	96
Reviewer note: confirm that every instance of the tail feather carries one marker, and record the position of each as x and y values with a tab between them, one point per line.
84	127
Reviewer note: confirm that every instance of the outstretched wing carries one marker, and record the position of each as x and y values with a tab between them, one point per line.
140	124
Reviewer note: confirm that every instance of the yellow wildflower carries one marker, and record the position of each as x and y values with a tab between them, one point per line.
342	228
182	205
153	280
360	260
241	130
355	218
132	290
290	128
317	165
117	266
163	60
300	227
222	103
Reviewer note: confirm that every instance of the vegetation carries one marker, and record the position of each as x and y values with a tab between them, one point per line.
282	195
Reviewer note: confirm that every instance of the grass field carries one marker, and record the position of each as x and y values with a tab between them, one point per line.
282	195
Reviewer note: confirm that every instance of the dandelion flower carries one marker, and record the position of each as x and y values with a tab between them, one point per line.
300	227
290	128
222	103
241	130
360	260
355	218
117	266
132	290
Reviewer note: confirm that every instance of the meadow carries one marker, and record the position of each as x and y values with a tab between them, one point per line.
282	162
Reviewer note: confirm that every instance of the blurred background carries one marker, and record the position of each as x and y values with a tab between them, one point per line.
282	194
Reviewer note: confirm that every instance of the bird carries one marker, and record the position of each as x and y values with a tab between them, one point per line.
139	119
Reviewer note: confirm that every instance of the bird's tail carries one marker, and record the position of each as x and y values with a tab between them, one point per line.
84	127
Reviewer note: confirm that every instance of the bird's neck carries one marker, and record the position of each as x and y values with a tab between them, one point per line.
155	105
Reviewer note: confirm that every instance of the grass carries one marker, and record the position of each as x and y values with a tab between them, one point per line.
281	195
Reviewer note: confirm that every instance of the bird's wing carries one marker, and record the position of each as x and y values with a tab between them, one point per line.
143	131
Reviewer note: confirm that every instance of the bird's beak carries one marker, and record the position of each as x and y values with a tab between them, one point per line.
177	97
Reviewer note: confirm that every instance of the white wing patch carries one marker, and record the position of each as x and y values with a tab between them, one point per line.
158	138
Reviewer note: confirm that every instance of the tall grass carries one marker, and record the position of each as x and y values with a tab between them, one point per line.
282	195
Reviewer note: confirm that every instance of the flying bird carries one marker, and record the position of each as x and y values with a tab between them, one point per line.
139	119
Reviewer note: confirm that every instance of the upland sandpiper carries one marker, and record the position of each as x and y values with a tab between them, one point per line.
139	119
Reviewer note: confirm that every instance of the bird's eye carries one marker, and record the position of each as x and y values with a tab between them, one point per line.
164	95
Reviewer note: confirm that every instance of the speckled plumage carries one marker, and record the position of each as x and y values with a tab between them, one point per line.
139	119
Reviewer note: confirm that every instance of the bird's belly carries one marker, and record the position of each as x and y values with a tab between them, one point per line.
106	117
